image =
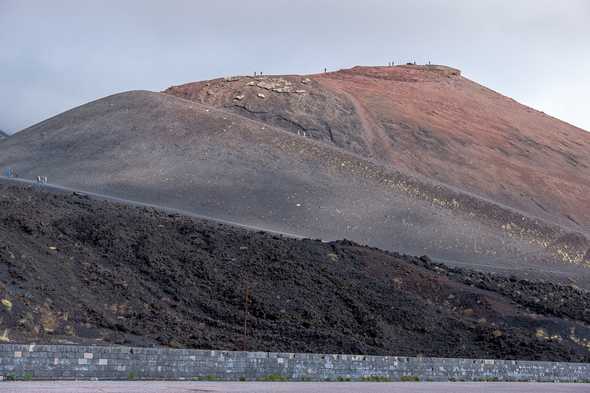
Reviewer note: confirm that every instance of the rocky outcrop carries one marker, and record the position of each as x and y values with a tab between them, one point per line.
296	104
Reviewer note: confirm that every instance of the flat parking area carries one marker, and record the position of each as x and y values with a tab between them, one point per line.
284	387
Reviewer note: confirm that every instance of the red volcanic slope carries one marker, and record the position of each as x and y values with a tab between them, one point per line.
431	121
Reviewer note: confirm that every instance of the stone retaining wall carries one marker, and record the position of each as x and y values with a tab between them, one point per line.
102	362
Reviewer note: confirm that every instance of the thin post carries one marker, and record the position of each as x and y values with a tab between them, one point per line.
246	301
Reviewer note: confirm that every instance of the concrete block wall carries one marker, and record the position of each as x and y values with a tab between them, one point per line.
47	362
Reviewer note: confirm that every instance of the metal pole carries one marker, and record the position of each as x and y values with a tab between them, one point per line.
246	301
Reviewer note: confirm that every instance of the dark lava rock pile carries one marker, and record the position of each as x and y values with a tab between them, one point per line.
74	269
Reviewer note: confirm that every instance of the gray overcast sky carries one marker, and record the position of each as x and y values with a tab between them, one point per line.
56	54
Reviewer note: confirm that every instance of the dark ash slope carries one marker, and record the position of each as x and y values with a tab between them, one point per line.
73	269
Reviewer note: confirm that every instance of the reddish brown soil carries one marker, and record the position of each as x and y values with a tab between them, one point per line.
434	122
79	270
486	142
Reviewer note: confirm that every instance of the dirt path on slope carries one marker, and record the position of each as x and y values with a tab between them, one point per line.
373	134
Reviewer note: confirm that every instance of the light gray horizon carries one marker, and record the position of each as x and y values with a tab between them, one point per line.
60	54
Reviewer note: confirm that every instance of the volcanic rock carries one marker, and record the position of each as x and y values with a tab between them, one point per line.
140	276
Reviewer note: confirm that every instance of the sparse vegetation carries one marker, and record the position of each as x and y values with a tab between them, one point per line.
273	378
210	378
488	379
7	304
4	337
376	378
333	257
